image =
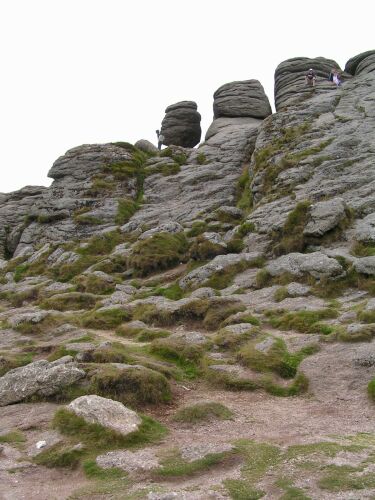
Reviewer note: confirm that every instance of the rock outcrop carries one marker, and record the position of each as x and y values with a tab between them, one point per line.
361	63
181	125
39	378
106	412
290	85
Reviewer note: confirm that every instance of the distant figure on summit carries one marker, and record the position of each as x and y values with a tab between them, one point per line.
336	77
160	139
310	77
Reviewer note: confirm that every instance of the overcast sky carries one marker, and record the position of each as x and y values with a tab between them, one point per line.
87	71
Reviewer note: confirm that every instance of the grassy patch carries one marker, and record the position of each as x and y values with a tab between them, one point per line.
276	359
219	312
366	316
301	321
343	478
10	361
197	228
201	158
13	437
136	386
92	284
160	251
290	238
360	249
105	319
175	466
102	244
244	195
93	471
371	389
202	412
60	456
97	437
203	249
70	301
125	209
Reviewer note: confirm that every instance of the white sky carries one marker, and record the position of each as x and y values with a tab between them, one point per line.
86	71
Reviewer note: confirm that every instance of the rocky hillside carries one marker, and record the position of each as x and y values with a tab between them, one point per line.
199	323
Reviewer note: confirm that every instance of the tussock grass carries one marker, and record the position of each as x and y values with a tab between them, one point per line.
371	389
70	301
202	249
302	321
134	386
160	251
10	361
105	319
197	228
291	237
13	437
90	283
202	412
125	209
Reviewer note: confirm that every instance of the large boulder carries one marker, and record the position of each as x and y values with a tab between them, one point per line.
221	263
106	412
39	378
181	125
241	99
361	63
290	85
324	216
297	264
365	229
365	265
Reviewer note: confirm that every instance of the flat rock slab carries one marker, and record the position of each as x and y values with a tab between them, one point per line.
142	460
198	451
40	378
106	412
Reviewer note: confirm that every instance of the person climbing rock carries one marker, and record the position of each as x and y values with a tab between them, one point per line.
160	139
310	77
336	78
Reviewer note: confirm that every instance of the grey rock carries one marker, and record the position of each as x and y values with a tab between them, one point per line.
80	346
130	461
181	125
317	264
297	290
365	229
167	227
290	85
365	265
241	99
106	412
198	276
324	216
63	360
198	451
146	146
214	238
35	317
40	378
347	317
370	306
239	328
203	293
361	63
265	345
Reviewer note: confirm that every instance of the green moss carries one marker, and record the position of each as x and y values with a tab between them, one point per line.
202	412
276	359
70	301
105	319
360	249
97	438
291	237
13	437
175	466
197	228
201	158
92	284
160	251
371	389
244	195
185	356
172	292
136	386
125	209
60	456
93	471
10	361
302	321
203	249
366	316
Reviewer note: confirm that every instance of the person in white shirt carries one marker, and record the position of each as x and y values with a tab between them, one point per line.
160	139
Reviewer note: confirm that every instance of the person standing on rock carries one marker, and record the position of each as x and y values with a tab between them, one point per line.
160	139
336	78
310	77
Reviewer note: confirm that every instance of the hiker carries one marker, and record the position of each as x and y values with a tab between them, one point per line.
160	139
310	77
336	78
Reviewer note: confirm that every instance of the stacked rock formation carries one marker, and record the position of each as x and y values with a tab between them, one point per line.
240	108
181	125
290	85
362	63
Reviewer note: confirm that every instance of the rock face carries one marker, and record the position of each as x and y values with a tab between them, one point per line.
241	99
106	412
181	125
362	63
317	264
290	85
82	200
324	216
38	378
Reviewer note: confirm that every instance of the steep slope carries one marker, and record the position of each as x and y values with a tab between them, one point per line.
224	293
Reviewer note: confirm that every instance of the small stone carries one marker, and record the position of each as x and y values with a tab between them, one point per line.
41	444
